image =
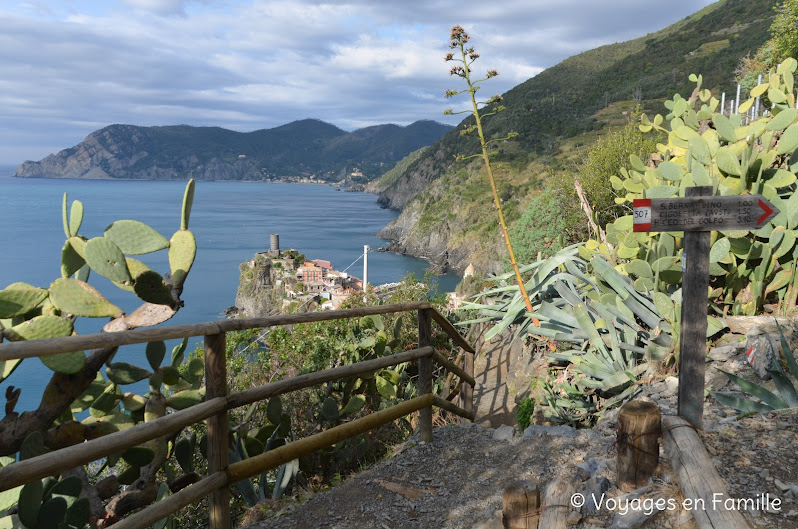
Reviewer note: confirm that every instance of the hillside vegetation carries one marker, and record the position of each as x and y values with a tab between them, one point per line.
558	114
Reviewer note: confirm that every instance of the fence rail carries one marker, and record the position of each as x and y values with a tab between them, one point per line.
221	474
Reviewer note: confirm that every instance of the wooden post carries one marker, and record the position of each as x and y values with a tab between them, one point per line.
521	506
218	459
466	389
710	504
425	373
693	341
638	444
556	503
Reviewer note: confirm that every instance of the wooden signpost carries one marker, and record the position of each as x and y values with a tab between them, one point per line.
696	215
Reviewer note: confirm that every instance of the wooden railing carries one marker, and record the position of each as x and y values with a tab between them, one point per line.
221	474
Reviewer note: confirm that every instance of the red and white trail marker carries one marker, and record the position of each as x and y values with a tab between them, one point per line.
703	213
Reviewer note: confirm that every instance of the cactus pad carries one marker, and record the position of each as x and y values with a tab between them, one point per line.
79	245
130	475
178	352
67	363
19	298
194	371
171	375
81	299
107	259
7	367
329	409
78	513
75	218
155	352
68	488
138	456
184	399
133	402
105	402
124	373
184	453
150	287
188	201
135	238
353	406
52	513
253	446
83	273
41	327
71	261
274	410
30	503
385	388
85	400
182	251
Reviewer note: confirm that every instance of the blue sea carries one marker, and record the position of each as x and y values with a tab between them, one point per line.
231	221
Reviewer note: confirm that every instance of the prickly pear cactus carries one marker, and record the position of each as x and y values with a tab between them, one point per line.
29	313
736	157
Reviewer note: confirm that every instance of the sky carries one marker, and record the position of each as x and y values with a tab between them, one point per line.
69	67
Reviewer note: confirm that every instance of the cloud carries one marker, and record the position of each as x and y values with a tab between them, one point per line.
71	66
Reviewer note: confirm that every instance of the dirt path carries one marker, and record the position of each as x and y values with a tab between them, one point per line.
493	400
503	370
456	481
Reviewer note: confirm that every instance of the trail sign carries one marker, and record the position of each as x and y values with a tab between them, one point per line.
696	215
703	213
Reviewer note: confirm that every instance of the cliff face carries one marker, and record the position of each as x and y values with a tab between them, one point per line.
256	296
419	175
442	244
298	149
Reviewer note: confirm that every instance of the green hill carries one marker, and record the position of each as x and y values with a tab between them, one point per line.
563	107
300	149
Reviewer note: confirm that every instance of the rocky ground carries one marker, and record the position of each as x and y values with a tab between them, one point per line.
457	480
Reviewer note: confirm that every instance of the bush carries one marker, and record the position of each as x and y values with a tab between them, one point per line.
524	412
538	229
604	160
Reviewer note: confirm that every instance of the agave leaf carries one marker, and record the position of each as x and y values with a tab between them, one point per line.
784	386
788	354
768	397
740	404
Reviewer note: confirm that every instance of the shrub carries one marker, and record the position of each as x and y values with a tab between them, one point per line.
524	413
538	229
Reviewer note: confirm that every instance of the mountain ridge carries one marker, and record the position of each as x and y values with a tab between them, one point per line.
308	148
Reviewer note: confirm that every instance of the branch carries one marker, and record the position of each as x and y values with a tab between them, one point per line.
588	211
88	491
58	396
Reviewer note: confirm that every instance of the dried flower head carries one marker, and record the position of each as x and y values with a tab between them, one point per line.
449	56
492	73
472	54
458	34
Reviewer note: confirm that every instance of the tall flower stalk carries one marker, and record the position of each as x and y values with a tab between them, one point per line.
465	56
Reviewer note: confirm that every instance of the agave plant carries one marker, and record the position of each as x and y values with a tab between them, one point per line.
612	329
767	400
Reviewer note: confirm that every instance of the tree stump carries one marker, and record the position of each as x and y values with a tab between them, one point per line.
521	505
556	504
637	439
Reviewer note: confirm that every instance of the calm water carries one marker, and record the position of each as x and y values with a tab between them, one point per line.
231	221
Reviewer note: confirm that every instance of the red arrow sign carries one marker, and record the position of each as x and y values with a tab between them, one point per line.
703	213
767	211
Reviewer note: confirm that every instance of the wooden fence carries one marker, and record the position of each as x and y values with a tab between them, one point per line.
221	474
